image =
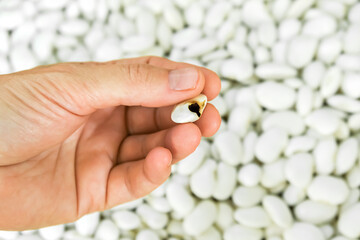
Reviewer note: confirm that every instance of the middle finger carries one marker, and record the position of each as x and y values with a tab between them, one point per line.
142	120
181	140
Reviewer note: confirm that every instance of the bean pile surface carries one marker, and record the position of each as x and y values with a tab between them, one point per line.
285	162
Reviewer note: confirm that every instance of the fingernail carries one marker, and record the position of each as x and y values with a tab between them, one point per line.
183	78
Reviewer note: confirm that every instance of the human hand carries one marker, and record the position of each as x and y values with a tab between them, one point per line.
82	137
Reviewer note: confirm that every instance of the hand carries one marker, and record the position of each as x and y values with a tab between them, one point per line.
82	137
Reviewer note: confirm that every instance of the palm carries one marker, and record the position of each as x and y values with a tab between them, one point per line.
95	167
70	178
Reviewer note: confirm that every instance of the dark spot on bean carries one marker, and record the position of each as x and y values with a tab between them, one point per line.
194	107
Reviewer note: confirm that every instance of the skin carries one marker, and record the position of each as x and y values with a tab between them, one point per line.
76	138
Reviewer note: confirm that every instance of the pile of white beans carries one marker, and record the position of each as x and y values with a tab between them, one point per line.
285	162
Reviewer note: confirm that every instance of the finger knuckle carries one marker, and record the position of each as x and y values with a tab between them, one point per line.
140	74
152	59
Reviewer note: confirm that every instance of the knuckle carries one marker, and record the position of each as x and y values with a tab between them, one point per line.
140	74
151	59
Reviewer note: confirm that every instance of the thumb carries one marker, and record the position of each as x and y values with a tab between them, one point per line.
113	83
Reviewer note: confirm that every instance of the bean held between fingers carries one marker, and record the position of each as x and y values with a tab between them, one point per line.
189	110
